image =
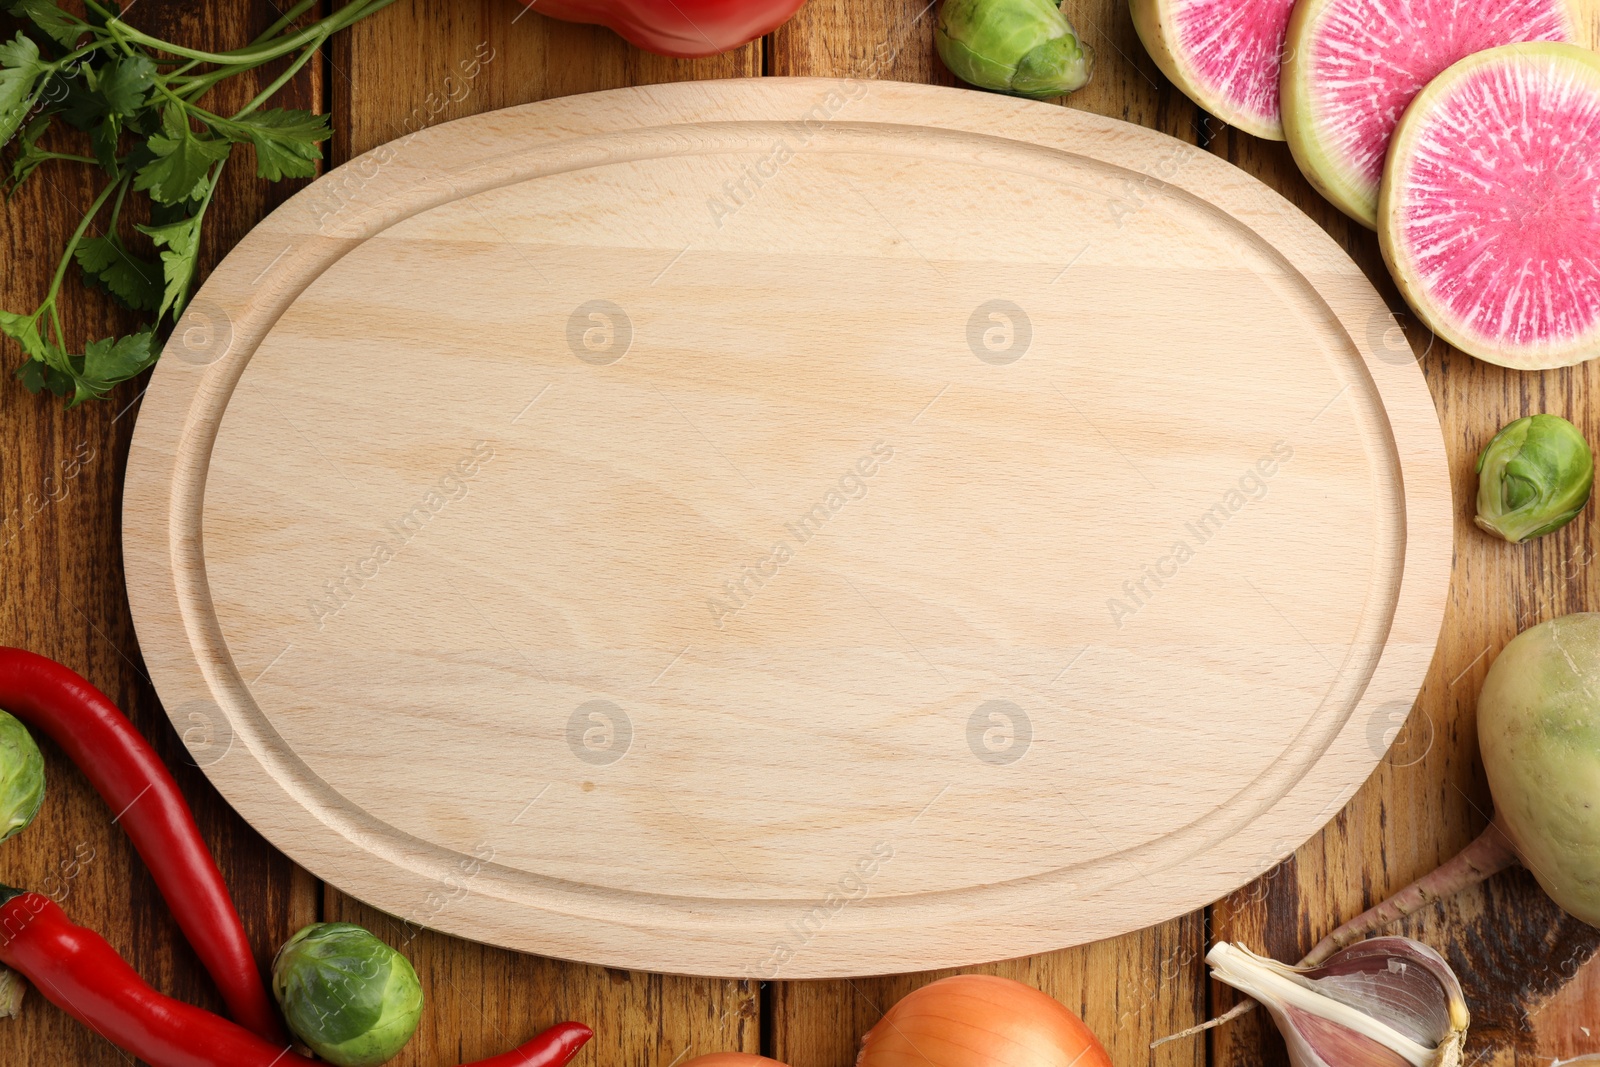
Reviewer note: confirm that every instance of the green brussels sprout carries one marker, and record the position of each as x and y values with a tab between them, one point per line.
1023	47
351	998
21	777
1534	476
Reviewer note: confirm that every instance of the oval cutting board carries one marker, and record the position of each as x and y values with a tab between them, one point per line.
787	528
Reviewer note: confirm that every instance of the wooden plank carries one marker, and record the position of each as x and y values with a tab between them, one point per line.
482	1001
1129	989
55	578
842	39
61	591
340	682
1512	948
389	77
422	62
1529	971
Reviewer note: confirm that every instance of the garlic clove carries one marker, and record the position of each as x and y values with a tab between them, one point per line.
1384	1002
1403	982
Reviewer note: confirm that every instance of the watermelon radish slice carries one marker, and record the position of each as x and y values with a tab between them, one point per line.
1352	66
1224	54
1489	212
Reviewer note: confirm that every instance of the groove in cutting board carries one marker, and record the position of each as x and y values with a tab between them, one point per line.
765	528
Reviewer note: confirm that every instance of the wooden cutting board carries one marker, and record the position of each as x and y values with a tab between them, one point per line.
787	528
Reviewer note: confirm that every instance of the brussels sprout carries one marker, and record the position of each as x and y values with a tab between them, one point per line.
21	777
351	998
1533	477
1024	47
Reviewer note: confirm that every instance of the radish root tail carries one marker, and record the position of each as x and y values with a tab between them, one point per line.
1226	1017
1489	854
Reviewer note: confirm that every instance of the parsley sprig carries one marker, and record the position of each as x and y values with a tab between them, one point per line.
132	104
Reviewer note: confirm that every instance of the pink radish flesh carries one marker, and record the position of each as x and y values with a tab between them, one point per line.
1235	49
1499	204
1368	58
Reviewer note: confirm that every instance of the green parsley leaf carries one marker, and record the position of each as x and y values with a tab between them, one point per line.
79	88
182	167
111	360
103	141
37	377
180	244
120	88
32	375
29	154
24	329
20	72
134	281
125	85
62	27
103	99
285	139
81	105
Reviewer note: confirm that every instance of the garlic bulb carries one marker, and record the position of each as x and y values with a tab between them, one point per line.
1384	1002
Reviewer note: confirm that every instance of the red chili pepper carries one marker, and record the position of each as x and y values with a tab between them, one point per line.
683	28
135	783
552	1048
77	971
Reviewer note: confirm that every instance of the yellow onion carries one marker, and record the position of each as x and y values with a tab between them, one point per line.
976	1020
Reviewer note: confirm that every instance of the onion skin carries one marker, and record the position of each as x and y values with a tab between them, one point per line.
977	1020
1539	732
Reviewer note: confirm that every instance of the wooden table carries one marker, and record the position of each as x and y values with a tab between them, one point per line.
1529	972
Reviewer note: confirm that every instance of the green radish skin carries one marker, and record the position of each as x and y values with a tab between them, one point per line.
1539	730
1154	23
1581	69
1297	91
1295	94
1539	736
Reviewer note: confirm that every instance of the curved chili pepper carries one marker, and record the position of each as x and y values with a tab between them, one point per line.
126	771
77	971
552	1048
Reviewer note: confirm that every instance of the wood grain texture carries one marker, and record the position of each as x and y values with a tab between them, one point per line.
1129	989
1134	988
579	585
61	592
58	574
1526	967
387	78
1428	799
484	1000
479	56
